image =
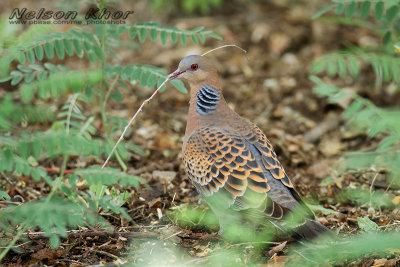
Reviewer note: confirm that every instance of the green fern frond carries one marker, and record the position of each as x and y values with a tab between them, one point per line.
347	62
33	31
387	159
360	196
342	251
146	75
106	202
4	195
10	37
373	120
385	66
357	11
75	122
153	29
59	82
363	113
108	176
55	143
32	72
189	6
5	124
339	63
54	217
50	80
364	8
58	43
54	82
20	166
74	41
18	113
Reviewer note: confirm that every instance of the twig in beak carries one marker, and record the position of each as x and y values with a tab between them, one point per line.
175	74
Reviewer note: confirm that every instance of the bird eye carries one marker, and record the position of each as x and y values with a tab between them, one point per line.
194	66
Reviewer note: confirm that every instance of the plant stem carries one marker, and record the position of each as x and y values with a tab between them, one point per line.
104	97
64	165
57	181
15	239
102	89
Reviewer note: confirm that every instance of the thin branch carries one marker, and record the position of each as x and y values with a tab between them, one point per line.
177	233
16	246
223	46
370	189
70	108
111	88
74	261
105	253
80	234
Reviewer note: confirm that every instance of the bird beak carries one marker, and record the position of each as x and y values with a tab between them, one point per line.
175	74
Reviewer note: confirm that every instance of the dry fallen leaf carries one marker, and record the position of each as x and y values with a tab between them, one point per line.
322	168
391	263
204	253
330	146
279	42
277	261
155	203
48	253
279	247
379	262
164	140
396	200
164	176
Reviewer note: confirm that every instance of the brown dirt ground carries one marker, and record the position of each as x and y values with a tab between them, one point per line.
270	88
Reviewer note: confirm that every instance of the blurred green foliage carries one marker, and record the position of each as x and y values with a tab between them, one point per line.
377	122
382	20
188	6
28	63
341	251
38	132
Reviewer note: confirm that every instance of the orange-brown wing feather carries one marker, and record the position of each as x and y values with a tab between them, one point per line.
214	160
269	159
273	170
228	166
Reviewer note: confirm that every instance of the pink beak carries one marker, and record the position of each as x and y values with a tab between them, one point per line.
175	74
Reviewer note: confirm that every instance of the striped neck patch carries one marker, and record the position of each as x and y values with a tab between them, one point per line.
207	100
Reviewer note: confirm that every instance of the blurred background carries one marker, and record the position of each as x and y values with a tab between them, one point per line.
320	78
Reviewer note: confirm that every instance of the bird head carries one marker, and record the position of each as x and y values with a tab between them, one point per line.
196	70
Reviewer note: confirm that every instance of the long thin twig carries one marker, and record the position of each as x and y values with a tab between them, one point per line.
223	46
370	189
80	234
108	254
177	233
133	118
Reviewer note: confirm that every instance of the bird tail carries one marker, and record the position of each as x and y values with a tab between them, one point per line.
310	230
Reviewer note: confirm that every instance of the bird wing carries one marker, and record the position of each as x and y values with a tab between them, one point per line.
239	171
